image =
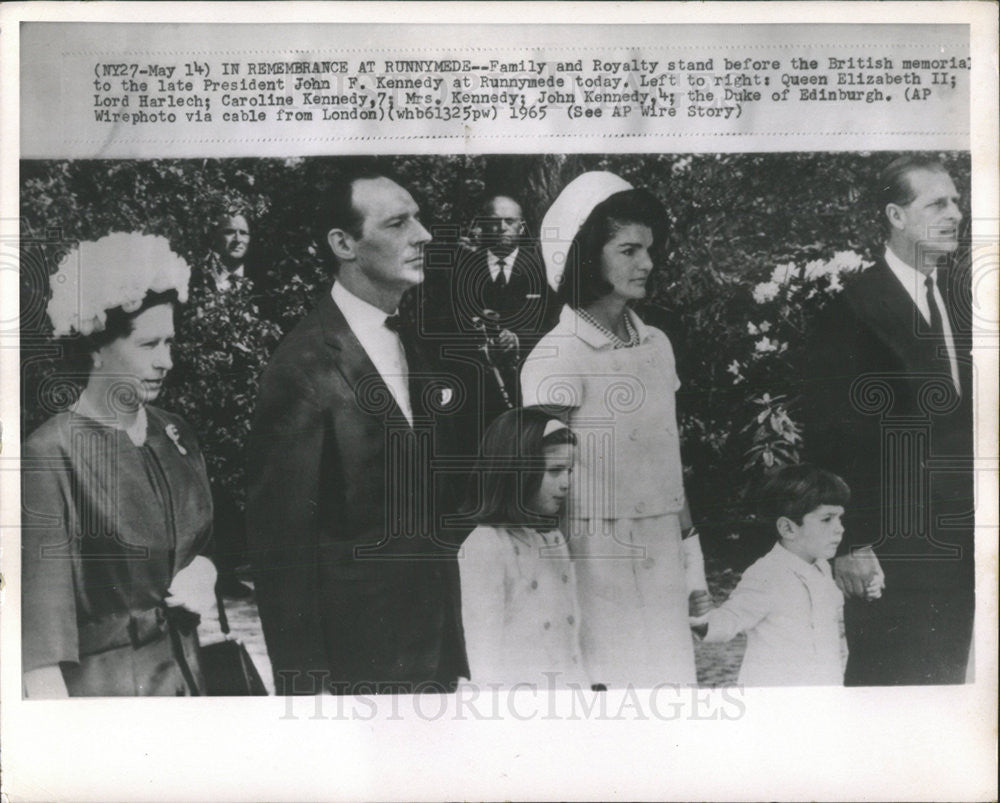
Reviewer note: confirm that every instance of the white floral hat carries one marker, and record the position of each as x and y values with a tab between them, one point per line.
115	271
569	212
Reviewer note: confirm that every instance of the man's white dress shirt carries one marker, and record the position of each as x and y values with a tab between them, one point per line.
382	345
493	263
223	278
913	282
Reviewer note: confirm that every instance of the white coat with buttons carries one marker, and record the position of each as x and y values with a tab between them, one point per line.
519	609
625	418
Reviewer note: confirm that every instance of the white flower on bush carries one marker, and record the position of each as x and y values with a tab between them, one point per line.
846	261
815	269
681	165
842	262
765	291
780	276
764	345
783	274
734	369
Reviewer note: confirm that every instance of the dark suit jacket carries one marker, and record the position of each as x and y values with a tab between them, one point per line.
343	517
463	290
881	410
458	288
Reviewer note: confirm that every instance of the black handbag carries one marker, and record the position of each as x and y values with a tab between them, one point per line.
227	667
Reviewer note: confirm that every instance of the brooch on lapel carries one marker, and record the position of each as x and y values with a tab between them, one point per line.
175	436
439	394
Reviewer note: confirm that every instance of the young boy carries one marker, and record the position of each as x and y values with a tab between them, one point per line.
787	602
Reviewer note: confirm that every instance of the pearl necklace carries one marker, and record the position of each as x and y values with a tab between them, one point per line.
616	342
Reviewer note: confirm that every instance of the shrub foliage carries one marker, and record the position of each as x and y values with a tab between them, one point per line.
757	244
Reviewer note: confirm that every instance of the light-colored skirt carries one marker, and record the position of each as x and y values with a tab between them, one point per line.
633	601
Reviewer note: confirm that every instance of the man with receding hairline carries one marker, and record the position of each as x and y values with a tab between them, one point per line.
356	589
891	412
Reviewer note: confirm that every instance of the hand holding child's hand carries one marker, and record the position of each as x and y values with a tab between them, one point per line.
855	573
699	604
875	586
699	625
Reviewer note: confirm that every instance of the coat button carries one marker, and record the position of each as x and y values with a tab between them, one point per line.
648	563
640	506
565	578
534	584
547	625
616	364
517	551
633	435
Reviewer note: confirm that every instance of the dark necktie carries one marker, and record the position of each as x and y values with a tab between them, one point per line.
395	323
501	279
937	327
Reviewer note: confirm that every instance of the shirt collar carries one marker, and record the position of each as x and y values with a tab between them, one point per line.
492	261
911	278
789	559
357	311
593	336
221	275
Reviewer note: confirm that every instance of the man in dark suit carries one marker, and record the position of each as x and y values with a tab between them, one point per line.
357	590
891	411
495	290
230	246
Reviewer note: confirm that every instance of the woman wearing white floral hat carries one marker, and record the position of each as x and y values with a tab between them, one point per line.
638	561
116	506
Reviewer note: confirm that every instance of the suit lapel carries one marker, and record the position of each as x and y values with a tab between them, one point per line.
892	315
895	320
352	361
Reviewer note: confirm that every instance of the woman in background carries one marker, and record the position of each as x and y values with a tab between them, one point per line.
638	561
116	507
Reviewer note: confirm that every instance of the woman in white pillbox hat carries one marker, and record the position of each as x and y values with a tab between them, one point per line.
638	560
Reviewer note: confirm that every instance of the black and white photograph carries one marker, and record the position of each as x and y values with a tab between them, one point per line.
406	443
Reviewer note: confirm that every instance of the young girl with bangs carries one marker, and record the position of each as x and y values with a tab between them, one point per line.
518	586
